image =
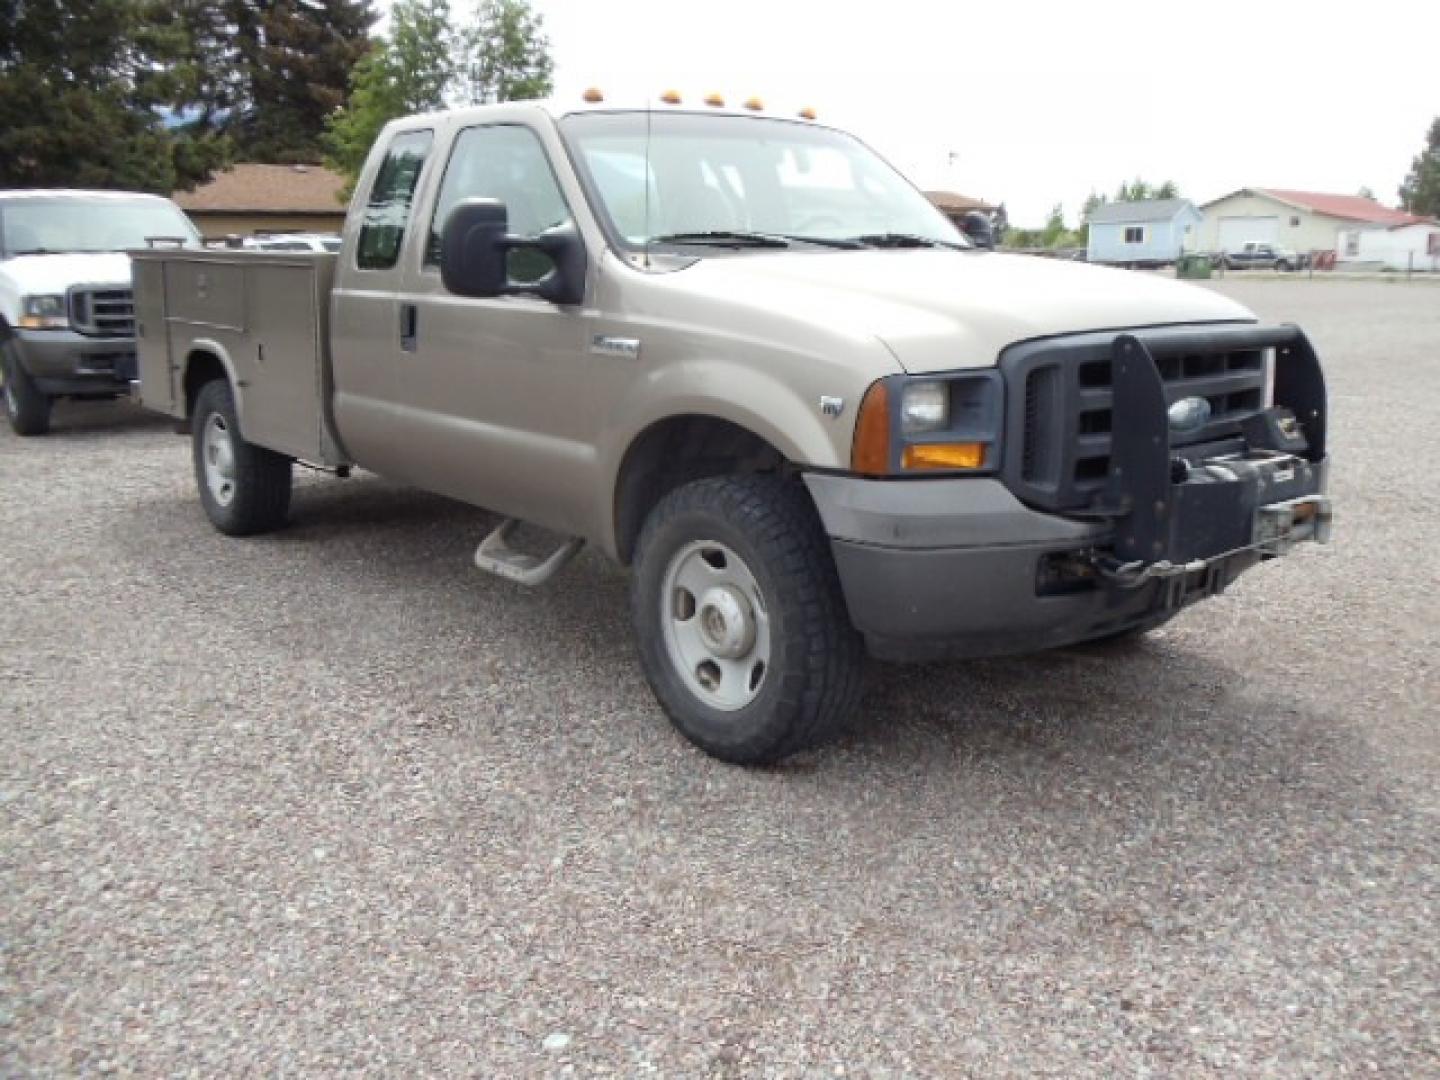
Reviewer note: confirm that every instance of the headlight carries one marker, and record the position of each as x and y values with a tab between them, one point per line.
924	406
43	313
948	424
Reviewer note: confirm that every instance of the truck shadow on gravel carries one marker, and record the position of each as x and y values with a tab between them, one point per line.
393	549
107	419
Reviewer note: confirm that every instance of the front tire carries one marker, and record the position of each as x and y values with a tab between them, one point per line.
743	632
244	488
27	409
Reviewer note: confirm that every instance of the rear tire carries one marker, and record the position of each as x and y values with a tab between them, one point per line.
244	488
27	409
743	632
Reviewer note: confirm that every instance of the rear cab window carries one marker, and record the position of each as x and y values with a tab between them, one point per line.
392	197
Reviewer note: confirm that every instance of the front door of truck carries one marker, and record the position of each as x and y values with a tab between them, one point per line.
492	393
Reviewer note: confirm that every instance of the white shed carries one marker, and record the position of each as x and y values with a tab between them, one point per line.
1402	247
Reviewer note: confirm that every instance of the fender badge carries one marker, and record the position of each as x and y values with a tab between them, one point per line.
625	348
831	406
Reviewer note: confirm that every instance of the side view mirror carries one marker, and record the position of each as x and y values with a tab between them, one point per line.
475	245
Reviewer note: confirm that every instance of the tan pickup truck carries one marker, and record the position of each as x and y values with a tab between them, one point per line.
742	355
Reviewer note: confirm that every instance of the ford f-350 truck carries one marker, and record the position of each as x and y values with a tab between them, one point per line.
740	354
66	324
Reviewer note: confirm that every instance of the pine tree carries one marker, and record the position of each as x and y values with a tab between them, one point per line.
295	58
84	86
1420	193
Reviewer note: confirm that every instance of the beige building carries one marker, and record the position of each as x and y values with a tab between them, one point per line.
1303	221
249	199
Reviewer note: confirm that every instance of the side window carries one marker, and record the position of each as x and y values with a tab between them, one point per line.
387	211
504	162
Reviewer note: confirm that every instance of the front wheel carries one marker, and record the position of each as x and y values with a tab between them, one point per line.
743	632
244	488
27	409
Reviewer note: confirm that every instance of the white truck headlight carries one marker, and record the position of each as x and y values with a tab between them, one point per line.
43	313
924	406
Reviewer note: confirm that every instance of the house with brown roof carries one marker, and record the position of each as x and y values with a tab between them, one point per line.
248	199
956	206
1302	221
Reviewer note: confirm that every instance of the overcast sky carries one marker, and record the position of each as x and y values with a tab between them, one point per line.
1042	102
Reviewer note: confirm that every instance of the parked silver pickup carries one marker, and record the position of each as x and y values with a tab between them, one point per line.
740	354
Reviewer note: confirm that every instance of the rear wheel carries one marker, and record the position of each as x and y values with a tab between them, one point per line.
743	632
27	409
244	488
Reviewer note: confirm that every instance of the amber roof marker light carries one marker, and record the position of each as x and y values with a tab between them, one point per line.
715	101
671	97
593	95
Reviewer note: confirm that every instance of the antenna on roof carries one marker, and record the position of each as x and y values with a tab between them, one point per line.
645	178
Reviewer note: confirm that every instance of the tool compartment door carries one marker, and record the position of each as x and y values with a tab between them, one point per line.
279	360
152	339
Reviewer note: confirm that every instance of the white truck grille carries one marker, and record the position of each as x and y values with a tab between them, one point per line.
103	312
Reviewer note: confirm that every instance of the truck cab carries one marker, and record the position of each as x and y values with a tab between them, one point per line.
67	321
740	354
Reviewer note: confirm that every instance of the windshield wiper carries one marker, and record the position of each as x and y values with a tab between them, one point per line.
724	238
903	240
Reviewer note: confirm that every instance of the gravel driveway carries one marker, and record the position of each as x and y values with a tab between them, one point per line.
330	800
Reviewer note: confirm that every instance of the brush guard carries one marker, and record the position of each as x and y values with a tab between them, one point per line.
1181	512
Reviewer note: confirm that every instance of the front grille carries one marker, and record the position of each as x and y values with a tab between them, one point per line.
103	312
1065	416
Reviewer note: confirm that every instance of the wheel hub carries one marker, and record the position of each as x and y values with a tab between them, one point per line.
716	624
727	623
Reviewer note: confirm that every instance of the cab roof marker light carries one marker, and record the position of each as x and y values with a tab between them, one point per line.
715	101
807	113
671	97
754	104
593	95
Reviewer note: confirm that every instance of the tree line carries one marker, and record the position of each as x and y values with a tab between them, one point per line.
156	95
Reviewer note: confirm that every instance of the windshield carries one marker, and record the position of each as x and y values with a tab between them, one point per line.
723	176
66	225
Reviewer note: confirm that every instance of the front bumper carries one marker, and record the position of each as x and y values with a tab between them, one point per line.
62	362
949	568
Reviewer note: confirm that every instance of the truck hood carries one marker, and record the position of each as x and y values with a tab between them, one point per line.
937	310
41	275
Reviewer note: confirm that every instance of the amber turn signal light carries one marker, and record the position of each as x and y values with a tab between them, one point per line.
964	455
870	449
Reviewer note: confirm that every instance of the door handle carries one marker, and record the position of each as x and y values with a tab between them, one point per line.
409	323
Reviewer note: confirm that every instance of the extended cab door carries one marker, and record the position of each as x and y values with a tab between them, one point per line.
493	393
365	302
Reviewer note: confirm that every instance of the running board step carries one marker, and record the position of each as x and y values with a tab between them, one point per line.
496	556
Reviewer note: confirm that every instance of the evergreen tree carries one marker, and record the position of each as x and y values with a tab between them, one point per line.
1420	193
295	58
509	54
84	85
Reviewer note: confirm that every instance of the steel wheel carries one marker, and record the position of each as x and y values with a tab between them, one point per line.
219	459
716	625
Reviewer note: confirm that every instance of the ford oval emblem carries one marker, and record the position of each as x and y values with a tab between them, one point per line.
1189	414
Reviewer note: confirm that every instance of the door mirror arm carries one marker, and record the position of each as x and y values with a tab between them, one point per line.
475	244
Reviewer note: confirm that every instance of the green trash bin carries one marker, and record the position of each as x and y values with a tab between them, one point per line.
1192	266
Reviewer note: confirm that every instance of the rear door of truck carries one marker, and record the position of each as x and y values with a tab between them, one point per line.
366	325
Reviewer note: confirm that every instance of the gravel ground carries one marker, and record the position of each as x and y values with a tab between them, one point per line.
331	801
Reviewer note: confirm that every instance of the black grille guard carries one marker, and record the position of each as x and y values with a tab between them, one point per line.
1163	513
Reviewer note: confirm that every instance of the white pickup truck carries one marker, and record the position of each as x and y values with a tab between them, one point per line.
742	355
66	324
